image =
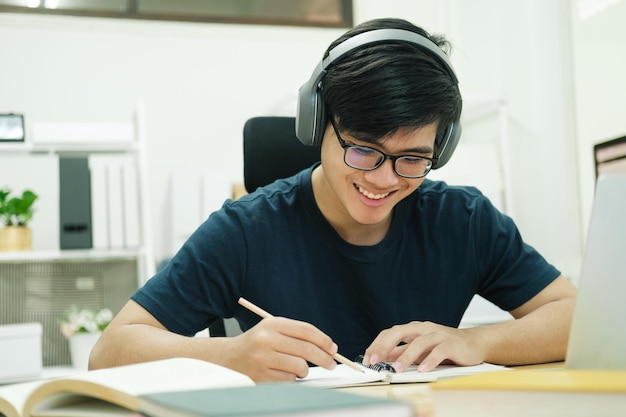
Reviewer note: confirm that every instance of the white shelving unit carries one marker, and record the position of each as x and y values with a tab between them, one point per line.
135	148
482	158
40	285
496	109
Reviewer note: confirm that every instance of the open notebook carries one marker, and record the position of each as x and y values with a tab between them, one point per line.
344	376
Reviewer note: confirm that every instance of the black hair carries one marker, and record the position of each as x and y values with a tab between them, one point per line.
377	89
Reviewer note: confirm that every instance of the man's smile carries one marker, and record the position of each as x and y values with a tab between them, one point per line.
371	195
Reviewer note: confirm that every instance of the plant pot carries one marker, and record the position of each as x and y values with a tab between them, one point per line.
81	345
15	238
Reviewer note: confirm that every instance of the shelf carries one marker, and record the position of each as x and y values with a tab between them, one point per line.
69	255
73	148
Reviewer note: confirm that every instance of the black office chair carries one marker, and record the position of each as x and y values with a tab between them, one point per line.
272	151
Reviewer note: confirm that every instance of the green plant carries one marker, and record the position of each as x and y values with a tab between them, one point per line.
16	211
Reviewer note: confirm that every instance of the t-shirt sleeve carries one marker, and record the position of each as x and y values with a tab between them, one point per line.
201	282
513	271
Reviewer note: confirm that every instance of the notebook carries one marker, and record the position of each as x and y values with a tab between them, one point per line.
344	376
598	332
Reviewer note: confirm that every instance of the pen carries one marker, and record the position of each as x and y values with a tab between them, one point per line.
264	314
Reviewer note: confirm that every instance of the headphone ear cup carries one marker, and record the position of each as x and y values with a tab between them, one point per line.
447	144
320	121
310	113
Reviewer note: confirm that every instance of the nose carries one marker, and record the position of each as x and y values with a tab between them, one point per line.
384	176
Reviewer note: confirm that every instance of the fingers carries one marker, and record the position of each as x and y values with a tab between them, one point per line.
306	341
385	347
278	349
428	351
427	344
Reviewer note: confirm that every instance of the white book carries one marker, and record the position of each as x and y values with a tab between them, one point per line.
99	202
116	390
115	203
131	203
83	133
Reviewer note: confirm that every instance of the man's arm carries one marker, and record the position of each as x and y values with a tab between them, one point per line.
276	349
538	334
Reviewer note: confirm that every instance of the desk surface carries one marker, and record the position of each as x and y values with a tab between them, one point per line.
429	402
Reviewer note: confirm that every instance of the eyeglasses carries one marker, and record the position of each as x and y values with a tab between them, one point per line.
368	159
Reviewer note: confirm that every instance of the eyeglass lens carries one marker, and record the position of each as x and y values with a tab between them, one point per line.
360	157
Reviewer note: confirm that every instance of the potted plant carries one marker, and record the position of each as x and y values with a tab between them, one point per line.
15	213
82	328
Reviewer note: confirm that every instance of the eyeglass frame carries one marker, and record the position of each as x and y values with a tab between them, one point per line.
346	146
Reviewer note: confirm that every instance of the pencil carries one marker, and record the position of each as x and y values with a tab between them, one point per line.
264	314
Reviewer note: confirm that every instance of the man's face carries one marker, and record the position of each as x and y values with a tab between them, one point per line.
350	197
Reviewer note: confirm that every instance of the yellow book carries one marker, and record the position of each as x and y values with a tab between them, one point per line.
581	380
536	392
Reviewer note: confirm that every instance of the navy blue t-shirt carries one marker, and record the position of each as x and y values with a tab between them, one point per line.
275	248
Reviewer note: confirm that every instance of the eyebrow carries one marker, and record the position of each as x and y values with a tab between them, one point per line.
419	149
423	149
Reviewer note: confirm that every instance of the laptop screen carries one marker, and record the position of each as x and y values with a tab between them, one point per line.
598	333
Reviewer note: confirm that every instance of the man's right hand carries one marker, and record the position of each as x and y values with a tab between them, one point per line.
278	349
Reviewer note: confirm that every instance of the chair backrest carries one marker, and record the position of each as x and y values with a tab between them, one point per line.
272	151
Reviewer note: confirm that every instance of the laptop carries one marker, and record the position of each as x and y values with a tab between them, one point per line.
598	332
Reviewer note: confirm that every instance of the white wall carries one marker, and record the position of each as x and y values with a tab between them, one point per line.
520	52
599	42
200	82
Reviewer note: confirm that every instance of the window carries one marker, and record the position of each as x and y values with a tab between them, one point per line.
329	13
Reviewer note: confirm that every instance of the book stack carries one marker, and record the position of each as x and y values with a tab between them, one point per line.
184	387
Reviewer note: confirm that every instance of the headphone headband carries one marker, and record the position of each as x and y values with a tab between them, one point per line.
385	35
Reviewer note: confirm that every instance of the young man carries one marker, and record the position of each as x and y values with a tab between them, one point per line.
359	254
